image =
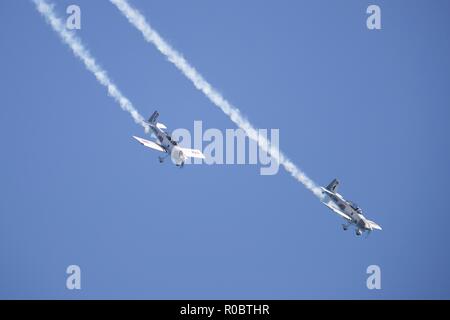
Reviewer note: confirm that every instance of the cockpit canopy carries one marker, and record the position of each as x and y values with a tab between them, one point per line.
355	207
172	141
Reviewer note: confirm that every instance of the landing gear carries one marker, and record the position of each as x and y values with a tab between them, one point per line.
180	165
345	227
358	232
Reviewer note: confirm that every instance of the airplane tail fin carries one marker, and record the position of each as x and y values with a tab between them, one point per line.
154	116
332	187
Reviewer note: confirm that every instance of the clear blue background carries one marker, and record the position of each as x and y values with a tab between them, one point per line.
368	107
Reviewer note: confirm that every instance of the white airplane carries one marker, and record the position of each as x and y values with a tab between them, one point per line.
347	210
166	144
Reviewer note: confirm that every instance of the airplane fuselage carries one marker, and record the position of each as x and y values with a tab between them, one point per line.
354	213
348	210
170	146
164	143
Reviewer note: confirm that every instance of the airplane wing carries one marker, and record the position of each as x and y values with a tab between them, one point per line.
374	225
150	144
192	153
339	212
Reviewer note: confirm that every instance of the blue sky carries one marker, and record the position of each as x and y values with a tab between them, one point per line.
367	107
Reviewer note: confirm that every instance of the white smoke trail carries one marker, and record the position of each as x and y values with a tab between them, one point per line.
83	54
151	36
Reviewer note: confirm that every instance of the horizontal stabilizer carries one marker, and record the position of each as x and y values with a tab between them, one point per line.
150	144
161	126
